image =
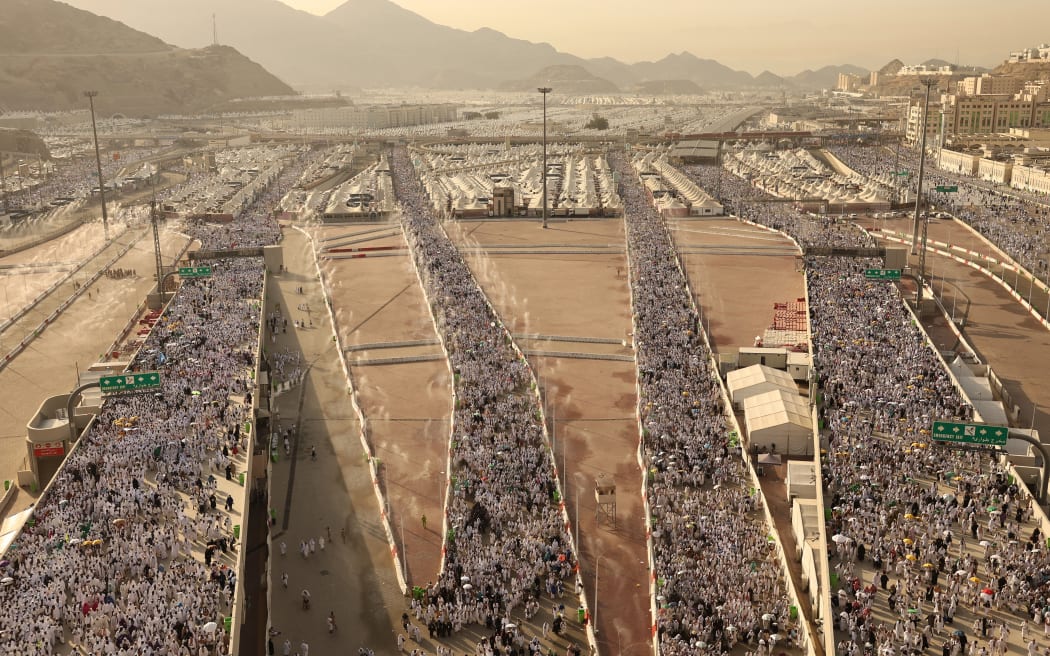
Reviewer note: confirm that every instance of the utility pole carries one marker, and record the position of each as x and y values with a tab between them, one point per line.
545	91
3	183
98	161
929	83
156	248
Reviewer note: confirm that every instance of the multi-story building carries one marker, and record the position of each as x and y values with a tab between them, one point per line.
933	122
847	82
1031	178
1029	55
956	162
355	118
923	69
965	114
995	171
983	85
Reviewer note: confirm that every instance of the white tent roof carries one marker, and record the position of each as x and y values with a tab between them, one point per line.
758	375
776	408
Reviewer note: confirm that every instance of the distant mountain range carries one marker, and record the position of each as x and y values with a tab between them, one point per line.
376	43
50	53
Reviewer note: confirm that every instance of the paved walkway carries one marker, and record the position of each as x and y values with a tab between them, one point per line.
353	575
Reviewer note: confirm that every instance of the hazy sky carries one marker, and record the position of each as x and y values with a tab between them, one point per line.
784	36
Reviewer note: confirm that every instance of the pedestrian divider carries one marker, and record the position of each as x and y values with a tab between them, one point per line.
643	467
579	356
567	338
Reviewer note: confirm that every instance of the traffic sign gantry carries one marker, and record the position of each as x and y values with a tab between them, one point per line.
195	272
950	431
882	274
947	189
135	382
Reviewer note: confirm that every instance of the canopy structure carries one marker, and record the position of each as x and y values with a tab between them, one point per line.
757	379
779	421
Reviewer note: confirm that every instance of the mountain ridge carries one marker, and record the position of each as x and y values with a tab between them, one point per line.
65	50
354	45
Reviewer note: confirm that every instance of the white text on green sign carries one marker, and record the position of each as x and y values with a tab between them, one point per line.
143	380
882	274
195	272
949	431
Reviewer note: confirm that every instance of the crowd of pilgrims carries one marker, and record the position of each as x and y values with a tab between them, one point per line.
506	541
1016	222
122	552
944	533
719	580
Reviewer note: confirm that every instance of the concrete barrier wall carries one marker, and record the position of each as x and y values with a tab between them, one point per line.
238	607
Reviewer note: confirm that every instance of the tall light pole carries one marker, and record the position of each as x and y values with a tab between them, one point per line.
929	83
3	183
98	162
544	91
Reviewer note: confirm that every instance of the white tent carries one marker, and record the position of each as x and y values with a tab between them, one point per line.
779	419
801	479
757	379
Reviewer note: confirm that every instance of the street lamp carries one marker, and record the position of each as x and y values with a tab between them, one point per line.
544	91
3	184
90	95
929	83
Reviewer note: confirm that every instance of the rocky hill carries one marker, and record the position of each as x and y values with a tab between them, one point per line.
377	43
51	52
566	78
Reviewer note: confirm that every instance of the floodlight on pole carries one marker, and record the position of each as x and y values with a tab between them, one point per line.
3	184
544	91
929	83
90	95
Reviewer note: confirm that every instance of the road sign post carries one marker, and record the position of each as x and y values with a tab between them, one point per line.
979	434
133	382
195	272
882	274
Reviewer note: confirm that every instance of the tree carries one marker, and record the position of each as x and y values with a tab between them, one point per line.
471	116
598	123
491	115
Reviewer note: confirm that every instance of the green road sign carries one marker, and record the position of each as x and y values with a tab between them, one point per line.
136	382
947	189
882	274
195	272
903	173
949	431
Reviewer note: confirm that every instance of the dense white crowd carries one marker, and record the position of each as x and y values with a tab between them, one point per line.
942	532
506	542
717	582
109	561
1017	223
